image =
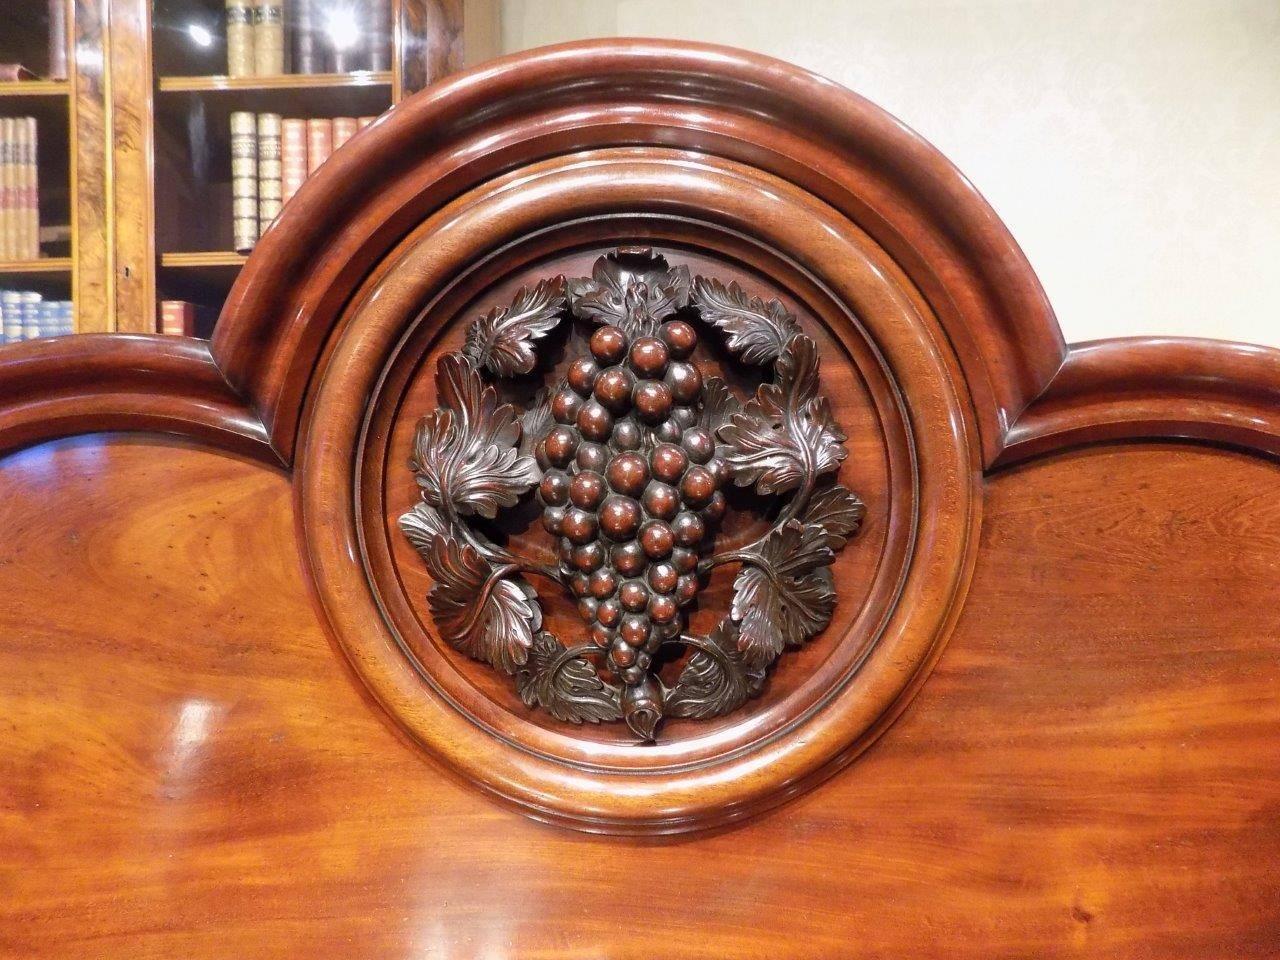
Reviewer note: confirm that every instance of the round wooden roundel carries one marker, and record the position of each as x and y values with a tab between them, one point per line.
636	462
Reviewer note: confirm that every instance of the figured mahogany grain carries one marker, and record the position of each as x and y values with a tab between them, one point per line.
189	768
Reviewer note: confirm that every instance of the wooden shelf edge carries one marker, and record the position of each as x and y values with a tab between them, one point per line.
43	265
211	258
35	88
287	81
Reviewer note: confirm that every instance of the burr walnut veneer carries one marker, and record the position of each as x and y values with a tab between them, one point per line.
977	656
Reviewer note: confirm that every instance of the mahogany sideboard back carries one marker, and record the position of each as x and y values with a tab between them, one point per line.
638	503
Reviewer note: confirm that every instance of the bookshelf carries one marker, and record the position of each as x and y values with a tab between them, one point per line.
38	182
134	139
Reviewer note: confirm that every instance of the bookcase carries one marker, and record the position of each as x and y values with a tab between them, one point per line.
132	104
38	163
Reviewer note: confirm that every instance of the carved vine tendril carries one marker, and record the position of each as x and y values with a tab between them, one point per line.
629	453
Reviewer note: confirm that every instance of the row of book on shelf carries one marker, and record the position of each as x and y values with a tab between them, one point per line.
26	315
324	36
270	158
19	195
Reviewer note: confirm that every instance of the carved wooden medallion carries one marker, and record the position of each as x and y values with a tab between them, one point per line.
628	454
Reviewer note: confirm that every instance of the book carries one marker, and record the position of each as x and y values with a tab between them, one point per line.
344	128
362	122
57	39
8	219
19	191
268	38
10	72
304	42
30	315
343	36
240	56
378	35
26	315
29	248
244	180
319	143
269	169
11	315
293	157
177	318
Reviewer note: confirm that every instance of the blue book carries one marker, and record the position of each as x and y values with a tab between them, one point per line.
12	305
30	315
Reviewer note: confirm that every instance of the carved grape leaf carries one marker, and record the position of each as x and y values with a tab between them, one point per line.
567	687
502	339
718	405
783	594
486	615
716	680
465	453
758	331
839	511
785	434
422	525
632	289
536	421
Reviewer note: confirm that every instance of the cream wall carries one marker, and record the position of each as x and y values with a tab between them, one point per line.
1132	146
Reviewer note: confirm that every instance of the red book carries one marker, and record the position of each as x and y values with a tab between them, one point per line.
319	143
293	157
177	318
344	128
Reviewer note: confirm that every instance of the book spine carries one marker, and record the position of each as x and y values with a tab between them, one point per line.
344	34
30	315
378	36
57	39
244	180
11	304
362	122
7	150
293	157
344	128
240	58
49	312
31	195
66	318
268	38
269	170
319	143
306	51
177	318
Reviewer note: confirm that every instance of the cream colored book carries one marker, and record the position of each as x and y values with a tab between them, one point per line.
8	195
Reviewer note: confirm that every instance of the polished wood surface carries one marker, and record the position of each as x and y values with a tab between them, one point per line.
1044	724
192	770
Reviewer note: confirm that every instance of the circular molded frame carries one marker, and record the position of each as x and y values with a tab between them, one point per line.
744	768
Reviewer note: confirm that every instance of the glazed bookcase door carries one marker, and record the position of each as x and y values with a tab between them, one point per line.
174	94
57	49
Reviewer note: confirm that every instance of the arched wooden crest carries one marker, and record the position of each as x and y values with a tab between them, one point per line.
714	350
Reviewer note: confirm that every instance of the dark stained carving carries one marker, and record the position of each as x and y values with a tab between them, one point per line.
629	453
502	340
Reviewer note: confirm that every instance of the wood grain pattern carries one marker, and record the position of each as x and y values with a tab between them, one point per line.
726	103
93	280
1047	723
1132	388
69	385
191	770
133	173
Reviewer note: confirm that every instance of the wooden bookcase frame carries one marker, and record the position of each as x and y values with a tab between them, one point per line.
112	91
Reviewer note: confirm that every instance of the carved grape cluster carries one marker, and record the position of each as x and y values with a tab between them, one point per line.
631	486
629	455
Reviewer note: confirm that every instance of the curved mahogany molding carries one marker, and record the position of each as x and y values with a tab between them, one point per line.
1136	388
738	106
69	385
